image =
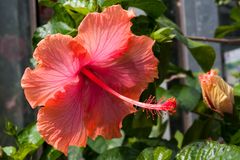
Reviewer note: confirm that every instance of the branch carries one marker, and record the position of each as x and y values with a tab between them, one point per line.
216	40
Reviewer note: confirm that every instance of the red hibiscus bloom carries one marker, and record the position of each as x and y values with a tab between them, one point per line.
89	83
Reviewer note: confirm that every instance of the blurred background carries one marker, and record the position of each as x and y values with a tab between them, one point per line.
19	20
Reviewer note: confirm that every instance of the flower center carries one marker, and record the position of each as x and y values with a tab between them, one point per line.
151	104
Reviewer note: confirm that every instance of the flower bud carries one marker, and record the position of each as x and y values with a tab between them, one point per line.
217	94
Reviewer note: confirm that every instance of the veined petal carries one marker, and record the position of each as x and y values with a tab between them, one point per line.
106	34
105	113
128	75
82	110
56	52
61	122
168	105
88	84
57	66
42	84
132	71
217	94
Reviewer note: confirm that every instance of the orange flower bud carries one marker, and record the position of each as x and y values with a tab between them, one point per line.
217	94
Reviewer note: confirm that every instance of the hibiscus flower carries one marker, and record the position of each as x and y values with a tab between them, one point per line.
217	94
89	83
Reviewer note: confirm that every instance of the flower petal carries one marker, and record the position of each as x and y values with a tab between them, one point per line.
217	94
41	84
81	111
105	113
131	72
61	123
55	52
106	34
57	66
128	75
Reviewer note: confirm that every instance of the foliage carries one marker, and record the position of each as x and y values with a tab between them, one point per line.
226	30
28	140
209	150
142	135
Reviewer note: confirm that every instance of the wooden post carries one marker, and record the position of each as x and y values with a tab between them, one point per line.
196	18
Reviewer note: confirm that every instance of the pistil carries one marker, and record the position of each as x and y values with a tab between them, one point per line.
168	105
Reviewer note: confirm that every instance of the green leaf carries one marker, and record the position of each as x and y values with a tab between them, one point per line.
222	31
107	3
116	142
1	152
174	69
52	28
236	113
9	150
236	90
50	153
29	135
78	9
158	129
198	50
202	108
29	140
61	22
153	8
202	129
6	153
161	92
23	151
163	52
155	154
100	3
146	154
179	137
138	125
194	133
119	153
222	2
142	25
165	22
162	153
11	129
236	108
235	14
184	95
153	142
99	145
47	3
75	153
80	6
235	139
209	150
193	81
163	35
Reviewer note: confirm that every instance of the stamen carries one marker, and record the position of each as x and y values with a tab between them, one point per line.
155	108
